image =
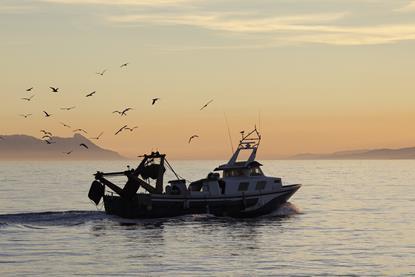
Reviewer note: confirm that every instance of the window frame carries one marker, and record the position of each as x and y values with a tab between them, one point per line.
243	186
261	183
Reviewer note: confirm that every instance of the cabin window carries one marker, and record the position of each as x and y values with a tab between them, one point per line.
256	171
243	186
233	173
278	181
260	185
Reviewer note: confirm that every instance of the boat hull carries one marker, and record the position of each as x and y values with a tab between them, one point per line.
162	205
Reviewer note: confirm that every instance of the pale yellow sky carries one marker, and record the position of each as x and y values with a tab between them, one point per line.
324	75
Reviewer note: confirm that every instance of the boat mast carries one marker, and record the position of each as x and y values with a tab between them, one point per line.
248	142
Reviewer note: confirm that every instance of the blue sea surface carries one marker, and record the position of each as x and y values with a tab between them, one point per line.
348	218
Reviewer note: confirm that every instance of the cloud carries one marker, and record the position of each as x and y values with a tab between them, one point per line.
222	22
351	26
311	28
120	2
15	9
410	7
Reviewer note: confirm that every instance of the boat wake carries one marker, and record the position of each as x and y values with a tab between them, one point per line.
287	209
40	220
63	218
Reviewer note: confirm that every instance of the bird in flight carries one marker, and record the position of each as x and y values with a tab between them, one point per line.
97	137
80	130
84	145
54	89
49	141
46	137
26	115
192	137
67	153
29	89
90	94
47	114
120	130
124	65
131	129
46	132
154	100
28	99
65	125
123	112
204	106
68	108
102	72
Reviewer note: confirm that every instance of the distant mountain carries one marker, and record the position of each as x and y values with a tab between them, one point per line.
373	154
16	147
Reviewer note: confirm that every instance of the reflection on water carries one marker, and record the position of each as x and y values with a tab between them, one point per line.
350	217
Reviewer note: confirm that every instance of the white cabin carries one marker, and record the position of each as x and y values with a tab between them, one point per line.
238	176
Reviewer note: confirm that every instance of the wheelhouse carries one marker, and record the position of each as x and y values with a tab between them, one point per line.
243	171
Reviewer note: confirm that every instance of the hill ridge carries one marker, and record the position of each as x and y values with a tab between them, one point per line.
21	146
369	154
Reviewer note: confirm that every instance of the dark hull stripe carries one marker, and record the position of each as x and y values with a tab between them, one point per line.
146	207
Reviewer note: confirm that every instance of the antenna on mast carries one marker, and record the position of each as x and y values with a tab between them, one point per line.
259	121
229	131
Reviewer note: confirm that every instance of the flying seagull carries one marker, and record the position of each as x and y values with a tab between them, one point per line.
28	99
102	72
123	112
46	137
68	108
124	65
80	130
49	141
65	125
54	89
192	137
204	106
154	100
26	115
29	89
131	129
122	128
84	145
67	153
46	132
90	94
47	114
97	137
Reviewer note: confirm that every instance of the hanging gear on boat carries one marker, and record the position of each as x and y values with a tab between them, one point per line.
152	171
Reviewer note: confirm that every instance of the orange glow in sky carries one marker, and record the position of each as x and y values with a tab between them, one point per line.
322	80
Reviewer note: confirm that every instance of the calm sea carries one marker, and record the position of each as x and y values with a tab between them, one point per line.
349	218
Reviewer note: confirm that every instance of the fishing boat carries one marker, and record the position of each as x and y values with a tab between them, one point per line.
238	188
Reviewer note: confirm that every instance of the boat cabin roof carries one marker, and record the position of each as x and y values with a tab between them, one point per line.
238	165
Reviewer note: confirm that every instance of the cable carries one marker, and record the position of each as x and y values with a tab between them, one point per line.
174	172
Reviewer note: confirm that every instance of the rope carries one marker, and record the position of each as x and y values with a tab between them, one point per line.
171	168
100	205
174	172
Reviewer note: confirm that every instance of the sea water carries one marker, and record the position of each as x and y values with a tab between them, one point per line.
348	218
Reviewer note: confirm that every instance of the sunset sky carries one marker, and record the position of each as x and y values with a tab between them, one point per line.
324	75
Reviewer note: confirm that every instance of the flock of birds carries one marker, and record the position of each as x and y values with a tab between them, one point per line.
47	136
